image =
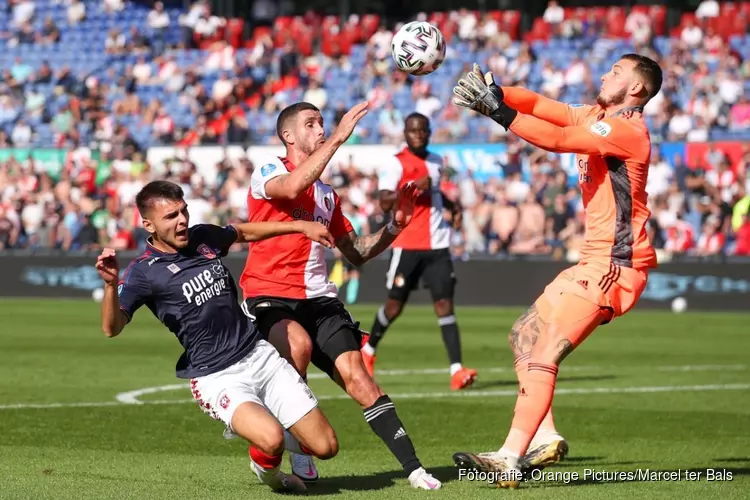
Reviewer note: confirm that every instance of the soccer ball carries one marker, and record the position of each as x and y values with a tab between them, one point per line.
98	294
679	305
418	48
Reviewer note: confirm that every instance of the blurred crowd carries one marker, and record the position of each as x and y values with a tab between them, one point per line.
179	79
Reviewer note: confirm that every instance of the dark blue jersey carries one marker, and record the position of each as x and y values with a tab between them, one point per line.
193	294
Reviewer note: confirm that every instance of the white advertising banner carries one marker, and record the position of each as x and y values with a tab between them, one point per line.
364	157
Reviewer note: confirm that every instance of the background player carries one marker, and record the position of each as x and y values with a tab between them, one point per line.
614	148
422	251
285	282
351	272
235	376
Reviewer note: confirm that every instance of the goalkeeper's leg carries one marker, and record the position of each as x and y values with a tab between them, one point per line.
548	446
571	321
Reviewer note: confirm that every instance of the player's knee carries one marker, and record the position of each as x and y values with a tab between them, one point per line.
326	446
271	442
393	310
443	307
300	350
552	347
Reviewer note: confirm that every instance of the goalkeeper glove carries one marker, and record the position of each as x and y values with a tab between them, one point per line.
479	92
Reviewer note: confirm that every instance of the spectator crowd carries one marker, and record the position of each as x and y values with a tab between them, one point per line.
162	76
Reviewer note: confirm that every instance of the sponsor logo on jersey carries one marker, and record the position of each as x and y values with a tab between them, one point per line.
174	268
207	252
601	128
219	271
202	287
300	213
267	169
327	203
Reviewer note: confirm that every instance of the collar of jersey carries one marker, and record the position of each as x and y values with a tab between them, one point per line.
635	109
151	248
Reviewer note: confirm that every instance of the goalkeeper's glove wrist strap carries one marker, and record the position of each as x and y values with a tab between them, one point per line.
504	115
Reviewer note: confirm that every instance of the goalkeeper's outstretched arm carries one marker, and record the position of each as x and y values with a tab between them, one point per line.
529	102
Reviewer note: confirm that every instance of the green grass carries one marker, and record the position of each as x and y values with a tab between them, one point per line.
53	352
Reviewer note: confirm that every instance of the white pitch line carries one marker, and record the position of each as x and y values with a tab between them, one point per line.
701	368
426	395
133	397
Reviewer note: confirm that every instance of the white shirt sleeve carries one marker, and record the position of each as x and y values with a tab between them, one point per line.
389	174
435	167
269	167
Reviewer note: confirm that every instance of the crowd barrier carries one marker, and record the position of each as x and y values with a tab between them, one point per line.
705	285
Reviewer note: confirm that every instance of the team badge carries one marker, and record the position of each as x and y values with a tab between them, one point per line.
207	252
174	268
224	401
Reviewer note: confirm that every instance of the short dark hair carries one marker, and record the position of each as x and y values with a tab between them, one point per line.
649	70
157	190
289	113
417	116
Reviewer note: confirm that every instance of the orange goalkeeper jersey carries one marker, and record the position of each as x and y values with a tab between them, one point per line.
613	155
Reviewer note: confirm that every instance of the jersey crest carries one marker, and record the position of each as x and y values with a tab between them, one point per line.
206	251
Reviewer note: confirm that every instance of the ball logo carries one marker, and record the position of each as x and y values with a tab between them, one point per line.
207	252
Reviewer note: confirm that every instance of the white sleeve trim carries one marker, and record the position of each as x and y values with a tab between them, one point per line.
267	169
389	174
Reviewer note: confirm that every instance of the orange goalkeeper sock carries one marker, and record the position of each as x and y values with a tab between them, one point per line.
521	366
533	403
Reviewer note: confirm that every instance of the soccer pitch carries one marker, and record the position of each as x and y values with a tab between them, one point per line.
86	417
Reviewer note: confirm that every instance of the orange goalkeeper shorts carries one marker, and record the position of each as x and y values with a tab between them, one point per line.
602	283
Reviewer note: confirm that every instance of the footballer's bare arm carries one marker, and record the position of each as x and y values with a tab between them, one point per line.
290	186
360	249
113	319
257	231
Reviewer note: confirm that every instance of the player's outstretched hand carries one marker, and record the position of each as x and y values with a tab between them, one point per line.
318	232
107	266
349	121
478	91
405	205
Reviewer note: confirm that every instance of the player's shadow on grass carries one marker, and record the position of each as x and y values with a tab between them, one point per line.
741	471
506	383
733	459
371	482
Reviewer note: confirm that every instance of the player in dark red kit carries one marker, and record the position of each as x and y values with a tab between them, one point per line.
235	376
285	282
421	251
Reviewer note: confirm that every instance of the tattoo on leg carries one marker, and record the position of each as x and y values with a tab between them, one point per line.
525	331
564	347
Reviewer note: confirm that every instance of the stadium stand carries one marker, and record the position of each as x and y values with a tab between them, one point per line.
99	82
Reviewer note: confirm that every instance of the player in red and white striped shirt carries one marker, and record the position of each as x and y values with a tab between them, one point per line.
285	283
422	251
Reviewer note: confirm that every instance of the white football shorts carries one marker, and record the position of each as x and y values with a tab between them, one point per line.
262	377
